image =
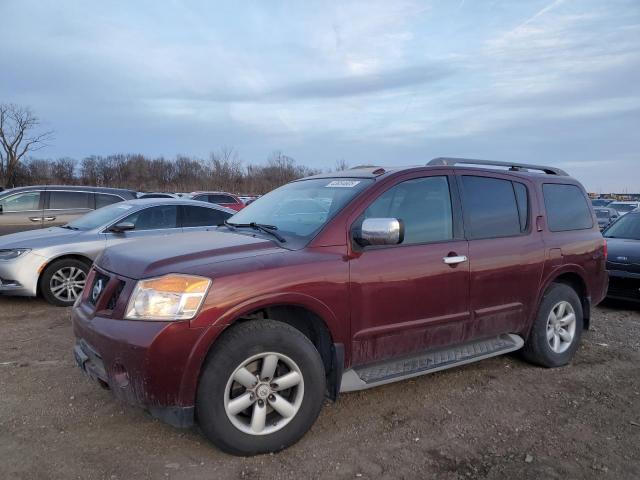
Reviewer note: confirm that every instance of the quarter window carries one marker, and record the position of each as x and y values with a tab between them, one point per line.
21	202
491	209
567	208
154	218
423	204
203	217
69	200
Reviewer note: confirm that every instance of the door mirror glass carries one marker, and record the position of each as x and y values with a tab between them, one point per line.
380	231
122	227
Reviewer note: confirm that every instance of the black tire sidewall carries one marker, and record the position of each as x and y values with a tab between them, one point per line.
541	351
45	278
244	341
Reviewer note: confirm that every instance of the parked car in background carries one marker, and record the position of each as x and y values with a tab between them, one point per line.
156	195
623	259
223	199
248	199
601	202
606	216
30	208
624	207
55	261
364	277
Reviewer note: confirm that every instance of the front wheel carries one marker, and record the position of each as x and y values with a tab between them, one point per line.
261	389
62	282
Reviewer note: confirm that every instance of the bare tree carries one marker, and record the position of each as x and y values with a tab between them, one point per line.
17	138
342	165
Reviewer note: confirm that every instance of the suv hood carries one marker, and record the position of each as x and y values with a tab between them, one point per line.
39	238
185	253
623	254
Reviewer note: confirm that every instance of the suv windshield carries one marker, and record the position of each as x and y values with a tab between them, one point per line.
300	209
100	217
626	227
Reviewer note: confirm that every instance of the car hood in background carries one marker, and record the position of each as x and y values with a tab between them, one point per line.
623	254
187	253
40	238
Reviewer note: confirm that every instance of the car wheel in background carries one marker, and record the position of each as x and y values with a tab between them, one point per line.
557	329
62	281
261	388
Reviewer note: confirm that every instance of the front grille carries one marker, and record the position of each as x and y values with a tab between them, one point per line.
99	285
624	287
113	300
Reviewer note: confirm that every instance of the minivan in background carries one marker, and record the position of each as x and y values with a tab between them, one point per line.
30	208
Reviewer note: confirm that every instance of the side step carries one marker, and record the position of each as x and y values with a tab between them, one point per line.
393	370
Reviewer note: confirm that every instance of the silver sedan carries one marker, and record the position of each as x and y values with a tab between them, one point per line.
54	262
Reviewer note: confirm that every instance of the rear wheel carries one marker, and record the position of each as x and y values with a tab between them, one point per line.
62	282
261	389
556	332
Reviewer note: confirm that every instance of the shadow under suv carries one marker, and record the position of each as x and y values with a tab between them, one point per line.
341	282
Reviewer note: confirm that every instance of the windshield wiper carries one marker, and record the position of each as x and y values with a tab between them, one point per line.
270	229
68	227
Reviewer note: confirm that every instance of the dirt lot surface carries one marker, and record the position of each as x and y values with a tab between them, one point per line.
500	418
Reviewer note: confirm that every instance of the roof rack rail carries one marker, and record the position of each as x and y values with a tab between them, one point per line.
516	167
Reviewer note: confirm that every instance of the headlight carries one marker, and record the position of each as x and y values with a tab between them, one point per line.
10	254
170	297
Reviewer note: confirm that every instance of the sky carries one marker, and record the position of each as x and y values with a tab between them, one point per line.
388	83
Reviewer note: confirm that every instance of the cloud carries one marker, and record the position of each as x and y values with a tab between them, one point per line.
390	82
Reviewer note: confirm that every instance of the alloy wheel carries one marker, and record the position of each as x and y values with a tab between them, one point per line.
264	393
561	327
67	283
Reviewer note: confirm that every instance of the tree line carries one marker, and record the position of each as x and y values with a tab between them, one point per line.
223	171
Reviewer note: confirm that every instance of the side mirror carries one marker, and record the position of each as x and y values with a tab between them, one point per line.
122	227
380	231
0	208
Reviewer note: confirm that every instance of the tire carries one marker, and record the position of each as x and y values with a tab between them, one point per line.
548	344
248	345
51	279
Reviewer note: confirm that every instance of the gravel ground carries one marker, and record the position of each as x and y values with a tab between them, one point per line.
500	418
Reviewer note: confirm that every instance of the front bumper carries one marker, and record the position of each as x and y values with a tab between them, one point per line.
142	363
624	285
20	275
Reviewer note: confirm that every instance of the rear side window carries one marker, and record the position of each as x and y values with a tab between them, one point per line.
221	199
494	207
203	217
69	200
567	208
104	199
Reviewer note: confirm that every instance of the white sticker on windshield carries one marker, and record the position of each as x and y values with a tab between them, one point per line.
343	183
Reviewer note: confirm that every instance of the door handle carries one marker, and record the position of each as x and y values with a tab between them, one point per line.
49	219
454	260
35	219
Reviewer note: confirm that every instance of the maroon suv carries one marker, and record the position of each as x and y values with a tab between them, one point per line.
342	282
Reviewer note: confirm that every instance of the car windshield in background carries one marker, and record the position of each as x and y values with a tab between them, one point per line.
600	213
623	207
626	227
599	202
99	217
300	209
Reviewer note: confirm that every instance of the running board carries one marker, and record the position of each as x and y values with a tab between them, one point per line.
372	375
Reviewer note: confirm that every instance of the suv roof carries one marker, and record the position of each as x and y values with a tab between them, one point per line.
373	171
